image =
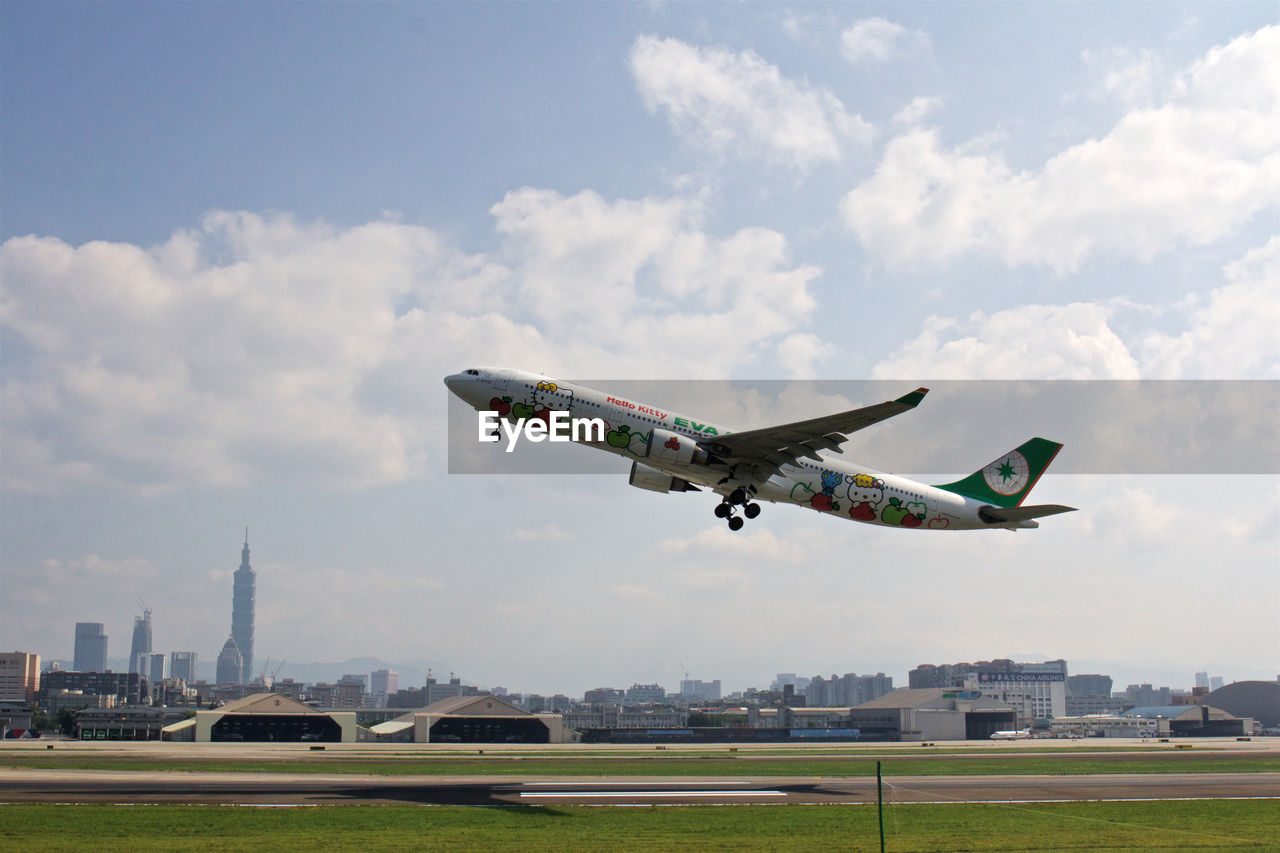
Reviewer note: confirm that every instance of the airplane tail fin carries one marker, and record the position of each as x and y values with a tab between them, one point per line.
1007	480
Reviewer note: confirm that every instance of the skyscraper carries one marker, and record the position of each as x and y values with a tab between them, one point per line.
140	651
91	648
385	681
242	614
183	665
156	669
229	663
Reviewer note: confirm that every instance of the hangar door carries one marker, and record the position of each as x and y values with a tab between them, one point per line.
981	725
277	727
490	730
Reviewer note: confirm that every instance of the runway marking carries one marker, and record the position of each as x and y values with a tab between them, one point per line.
637	784
1084	800
621	794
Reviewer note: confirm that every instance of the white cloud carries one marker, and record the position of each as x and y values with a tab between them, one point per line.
634	592
639	289
1131	78
798	545
1230	334
1136	519
798	354
724	101
876	40
549	533
917	109
257	348
1233	332
1186	172
1071	341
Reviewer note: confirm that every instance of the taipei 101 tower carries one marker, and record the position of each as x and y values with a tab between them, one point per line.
242	612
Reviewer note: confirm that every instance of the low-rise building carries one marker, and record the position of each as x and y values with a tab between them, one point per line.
848	690
604	696
56	701
1155	721
645	694
798	718
128	688
1080	706
125	723
615	717
697	690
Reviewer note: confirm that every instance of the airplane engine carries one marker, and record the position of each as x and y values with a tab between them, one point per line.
644	477
669	448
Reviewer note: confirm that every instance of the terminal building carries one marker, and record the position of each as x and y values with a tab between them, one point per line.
1037	690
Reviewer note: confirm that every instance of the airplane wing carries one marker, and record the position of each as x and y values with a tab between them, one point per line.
770	448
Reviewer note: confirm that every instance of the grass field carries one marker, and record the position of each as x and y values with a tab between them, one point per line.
1185	826
654	764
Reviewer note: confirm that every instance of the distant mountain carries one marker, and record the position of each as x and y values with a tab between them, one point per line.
410	673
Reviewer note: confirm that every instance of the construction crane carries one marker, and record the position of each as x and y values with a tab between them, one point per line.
262	676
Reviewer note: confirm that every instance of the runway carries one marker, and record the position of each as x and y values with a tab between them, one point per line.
290	789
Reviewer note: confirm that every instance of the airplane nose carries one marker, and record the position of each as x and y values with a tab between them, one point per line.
455	383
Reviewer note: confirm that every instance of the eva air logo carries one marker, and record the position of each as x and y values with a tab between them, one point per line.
1008	475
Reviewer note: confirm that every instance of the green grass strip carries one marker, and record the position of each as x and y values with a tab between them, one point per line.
1184	826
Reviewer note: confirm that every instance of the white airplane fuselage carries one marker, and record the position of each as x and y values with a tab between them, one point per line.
644	434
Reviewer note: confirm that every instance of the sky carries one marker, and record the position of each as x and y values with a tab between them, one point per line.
242	244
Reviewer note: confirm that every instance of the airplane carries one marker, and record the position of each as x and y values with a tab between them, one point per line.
785	464
1012	735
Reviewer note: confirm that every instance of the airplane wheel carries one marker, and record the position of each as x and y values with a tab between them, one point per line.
722	510
736	523
751	510
738	497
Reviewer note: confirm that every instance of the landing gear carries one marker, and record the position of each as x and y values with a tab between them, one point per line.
727	508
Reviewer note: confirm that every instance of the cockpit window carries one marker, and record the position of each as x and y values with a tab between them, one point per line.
472	372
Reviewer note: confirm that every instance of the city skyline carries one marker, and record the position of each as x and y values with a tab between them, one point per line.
241	245
376	668
243	591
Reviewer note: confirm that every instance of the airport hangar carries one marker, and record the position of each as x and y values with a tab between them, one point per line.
932	713
1259	700
267	717
470	719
